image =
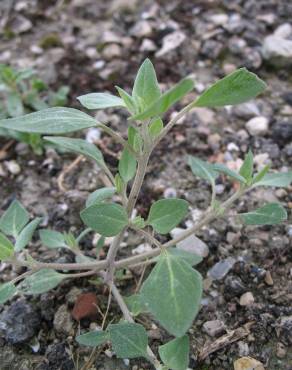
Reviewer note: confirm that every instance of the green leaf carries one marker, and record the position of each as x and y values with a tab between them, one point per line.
165	214
135	139
26	234
191	258
269	214
49	121
155	127
41	282
202	169
172	293
127	99
169	98
70	240
14	219
129	340
246	169
100	195
6	248
100	101
146	89
119	183
234	175
280	179
236	88
93	338
78	146
175	354
7	291
14	105
52	239
139	222
108	219
135	304
127	165
261	174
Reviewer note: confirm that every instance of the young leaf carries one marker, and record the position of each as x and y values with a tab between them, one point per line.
7	291
14	219
100	101
108	219
238	87
165	214
119	183
135	139
172	293
128	100
166	100
41	282
49	121
128	340
70	240
93	338
175	354
135	304
14	105
100	195
155	127
26	234
280	179
78	146
146	88
261	174
52	239
191	258
234	175
6	248
269	214
127	165
246	169
202	169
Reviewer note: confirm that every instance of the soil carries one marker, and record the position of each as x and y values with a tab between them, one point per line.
91	46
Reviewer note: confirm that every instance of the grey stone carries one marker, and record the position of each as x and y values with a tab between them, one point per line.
214	327
257	126
171	42
247	299
62	320
221	268
193	244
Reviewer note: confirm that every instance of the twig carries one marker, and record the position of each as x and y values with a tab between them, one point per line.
3	151
68	169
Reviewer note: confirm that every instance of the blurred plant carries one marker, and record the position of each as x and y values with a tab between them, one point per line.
21	91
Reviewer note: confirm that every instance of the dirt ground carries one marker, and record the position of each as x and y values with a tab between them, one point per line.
91	46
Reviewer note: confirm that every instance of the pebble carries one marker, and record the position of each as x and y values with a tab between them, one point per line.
269	279
141	29
142	248
219	19
234	286
193	244
281	351
257	126
247	299
246	110
214	327
85	307
111	51
221	268
93	135
148	45
248	363
62	320
170	193
170	42
13	167
282	132
20	322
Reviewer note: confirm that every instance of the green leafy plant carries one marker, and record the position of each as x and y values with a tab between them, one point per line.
21	91
172	292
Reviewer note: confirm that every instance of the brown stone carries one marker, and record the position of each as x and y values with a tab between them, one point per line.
85	307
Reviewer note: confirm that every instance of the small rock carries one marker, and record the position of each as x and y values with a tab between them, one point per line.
62	320
141	29
269	279
248	363
219	19
246	110
170	42
148	45
193	244
93	135
243	348
111	51
205	115
20	24
284	328
214	327
13	167
142	248
247	299
281	350
170	193
234	286
282	132
85	307
73	294
221	268
257	126
260	160
232	238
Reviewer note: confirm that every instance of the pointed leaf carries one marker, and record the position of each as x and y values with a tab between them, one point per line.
14	105
26	234
100	195
41	282
175	354
56	120
128	100
100	101
280	179
127	165
6	248
227	171
135	304
135	139
155	127
202	169
269	214
7	291
236	88
52	239
165	214
14	219
108	219
257	177
246	169
93	338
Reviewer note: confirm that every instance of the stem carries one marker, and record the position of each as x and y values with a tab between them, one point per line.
111	255
83	233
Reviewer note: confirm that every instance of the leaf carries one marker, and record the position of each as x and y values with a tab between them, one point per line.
93	338
119	183
108	219
52	239
78	146
135	304
14	219
135	139
191	258
279	179
100	101
14	105
100	195
261	174
127	99
6	248
41	282
155	127
129	340
269	214
165	214
146	89
49	121
202	169
127	165
169	98
224	169
7	291
236	88
246	169
172	293
175	354
26	234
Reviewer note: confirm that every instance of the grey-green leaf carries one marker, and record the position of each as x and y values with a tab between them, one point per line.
128	100
246	169
7	291
6	248
100	195
175	354
129	340
52	239
14	105
41	282
14	219
169	98
191	258
279	179
100	101
269	214
135	304
155	127
93	338
238	87
127	165
165	214
108	219
26	234
49	121
221	168
202	169
172	293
